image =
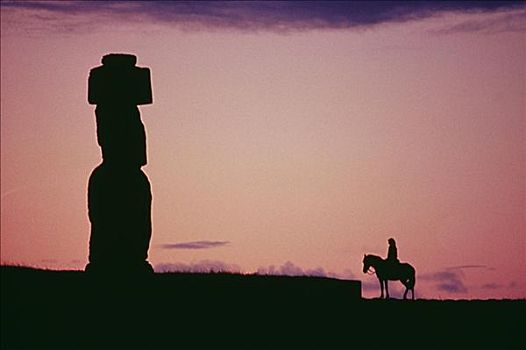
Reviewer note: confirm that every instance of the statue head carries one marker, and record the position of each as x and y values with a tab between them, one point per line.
119	82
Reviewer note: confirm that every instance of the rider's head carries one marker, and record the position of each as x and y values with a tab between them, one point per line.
391	241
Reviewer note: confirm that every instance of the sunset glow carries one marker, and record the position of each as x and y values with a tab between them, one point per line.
282	146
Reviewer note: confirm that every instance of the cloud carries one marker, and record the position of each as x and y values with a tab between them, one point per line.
13	191
279	16
290	269
203	266
370	286
460	267
446	281
492	286
507	22
195	245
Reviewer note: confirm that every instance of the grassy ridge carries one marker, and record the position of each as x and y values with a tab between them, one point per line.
46	309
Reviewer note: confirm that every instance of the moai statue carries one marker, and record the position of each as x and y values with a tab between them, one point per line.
119	194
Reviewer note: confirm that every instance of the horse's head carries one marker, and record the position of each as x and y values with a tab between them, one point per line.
366	263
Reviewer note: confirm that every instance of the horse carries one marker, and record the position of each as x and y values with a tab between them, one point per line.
386	271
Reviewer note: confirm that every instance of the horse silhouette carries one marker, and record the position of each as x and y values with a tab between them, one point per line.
386	271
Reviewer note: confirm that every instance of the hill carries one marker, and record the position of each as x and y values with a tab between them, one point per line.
69	309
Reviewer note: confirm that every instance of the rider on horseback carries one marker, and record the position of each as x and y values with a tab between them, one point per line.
392	254
391	269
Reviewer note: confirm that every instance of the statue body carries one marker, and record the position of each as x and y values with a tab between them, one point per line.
119	209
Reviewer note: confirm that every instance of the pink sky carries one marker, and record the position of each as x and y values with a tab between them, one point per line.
300	149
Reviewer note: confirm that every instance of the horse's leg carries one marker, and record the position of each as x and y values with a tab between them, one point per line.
406	285
386	289
381	287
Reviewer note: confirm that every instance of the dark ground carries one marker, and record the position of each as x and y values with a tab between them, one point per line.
71	310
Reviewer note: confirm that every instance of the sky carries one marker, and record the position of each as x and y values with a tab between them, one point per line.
284	137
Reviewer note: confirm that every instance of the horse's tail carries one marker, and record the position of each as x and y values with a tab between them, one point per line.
412	278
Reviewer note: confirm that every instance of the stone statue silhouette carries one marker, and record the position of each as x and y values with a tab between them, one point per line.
119	192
